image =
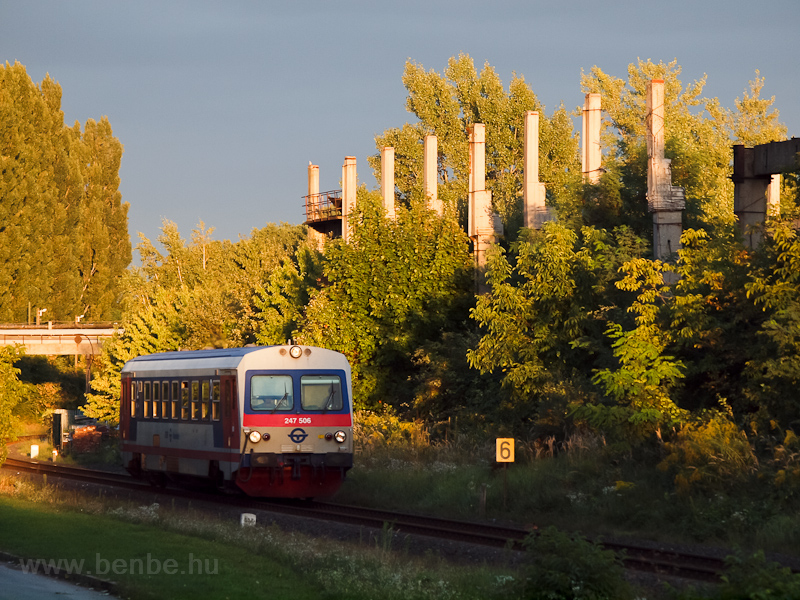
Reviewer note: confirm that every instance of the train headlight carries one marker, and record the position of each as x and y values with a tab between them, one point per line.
295	351
255	437
340	436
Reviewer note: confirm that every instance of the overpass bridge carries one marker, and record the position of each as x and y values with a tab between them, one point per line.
58	338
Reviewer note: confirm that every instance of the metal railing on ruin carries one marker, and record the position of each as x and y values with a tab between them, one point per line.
324	206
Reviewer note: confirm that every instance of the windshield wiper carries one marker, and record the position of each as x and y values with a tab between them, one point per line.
279	402
329	401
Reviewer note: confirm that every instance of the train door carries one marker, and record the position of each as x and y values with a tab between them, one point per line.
230	412
125	408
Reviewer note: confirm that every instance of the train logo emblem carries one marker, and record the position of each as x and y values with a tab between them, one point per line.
298	436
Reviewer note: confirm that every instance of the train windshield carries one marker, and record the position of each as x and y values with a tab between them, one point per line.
321	392
271	393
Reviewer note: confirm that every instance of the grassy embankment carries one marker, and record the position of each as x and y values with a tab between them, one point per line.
153	552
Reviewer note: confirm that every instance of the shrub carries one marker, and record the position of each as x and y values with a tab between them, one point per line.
752	578
786	460
571	567
708	454
374	431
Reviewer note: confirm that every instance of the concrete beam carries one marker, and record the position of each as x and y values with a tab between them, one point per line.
52	342
766	159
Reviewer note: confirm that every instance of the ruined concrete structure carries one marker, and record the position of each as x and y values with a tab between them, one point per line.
323	210
664	200
534	211
756	178
591	154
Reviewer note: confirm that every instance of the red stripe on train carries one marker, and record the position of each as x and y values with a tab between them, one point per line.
297	420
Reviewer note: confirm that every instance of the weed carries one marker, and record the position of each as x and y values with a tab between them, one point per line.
564	566
709	454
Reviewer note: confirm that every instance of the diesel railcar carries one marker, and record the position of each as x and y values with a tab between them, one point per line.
273	421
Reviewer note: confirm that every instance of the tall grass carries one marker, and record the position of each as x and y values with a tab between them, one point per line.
708	488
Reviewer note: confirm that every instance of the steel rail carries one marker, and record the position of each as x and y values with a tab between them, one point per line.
636	557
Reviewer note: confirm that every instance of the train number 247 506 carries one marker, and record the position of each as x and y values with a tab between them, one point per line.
297	421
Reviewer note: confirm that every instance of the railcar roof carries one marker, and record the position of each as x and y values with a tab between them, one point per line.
194	354
221	357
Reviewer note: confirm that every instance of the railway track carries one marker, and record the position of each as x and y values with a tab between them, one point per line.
660	561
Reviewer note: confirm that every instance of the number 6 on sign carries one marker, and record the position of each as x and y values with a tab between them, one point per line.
505	450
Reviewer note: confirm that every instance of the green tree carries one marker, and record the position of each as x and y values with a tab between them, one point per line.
157	327
102	245
188	296
393	286
12	392
642	381
773	370
254	260
287	293
709	317
543	322
31	147
64	241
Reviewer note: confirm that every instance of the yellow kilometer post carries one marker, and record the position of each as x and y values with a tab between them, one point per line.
505	454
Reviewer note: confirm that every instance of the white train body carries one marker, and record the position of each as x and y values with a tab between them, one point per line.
273	421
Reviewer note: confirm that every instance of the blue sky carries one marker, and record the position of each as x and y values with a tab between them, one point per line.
221	105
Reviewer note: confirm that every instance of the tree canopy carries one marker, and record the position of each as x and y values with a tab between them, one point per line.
64	241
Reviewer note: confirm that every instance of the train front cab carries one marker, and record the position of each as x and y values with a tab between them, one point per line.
297	432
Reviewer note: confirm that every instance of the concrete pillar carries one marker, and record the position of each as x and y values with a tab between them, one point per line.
534	211
664	200
749	195
654	120
479	213
349	183
387	181
667	230
774	196
312	200
477	172
314	207
591	156
483	225
431	173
